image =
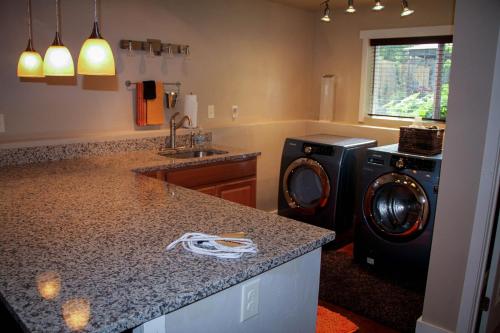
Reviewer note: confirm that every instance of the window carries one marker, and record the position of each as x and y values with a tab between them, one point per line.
406	76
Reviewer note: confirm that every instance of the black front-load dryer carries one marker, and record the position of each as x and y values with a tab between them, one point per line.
318	181
396	212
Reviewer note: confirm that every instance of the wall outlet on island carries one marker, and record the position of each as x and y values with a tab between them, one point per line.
2	123
250	300
211	111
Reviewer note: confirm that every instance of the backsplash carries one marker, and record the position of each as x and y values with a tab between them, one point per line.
39	154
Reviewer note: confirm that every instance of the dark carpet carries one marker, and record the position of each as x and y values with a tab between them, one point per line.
394	302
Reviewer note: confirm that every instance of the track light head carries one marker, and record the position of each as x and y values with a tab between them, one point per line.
406	10
378	6
350	7
326	12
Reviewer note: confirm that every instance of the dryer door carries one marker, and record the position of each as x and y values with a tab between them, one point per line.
306	186
396	207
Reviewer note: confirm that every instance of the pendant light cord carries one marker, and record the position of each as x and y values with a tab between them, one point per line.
57	16
30	32
95	12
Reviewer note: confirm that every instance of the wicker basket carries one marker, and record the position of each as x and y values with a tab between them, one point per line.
422	141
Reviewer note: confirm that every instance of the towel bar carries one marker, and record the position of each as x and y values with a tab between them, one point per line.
128	83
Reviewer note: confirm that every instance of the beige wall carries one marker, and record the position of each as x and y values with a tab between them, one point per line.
255	54
338	46
475	46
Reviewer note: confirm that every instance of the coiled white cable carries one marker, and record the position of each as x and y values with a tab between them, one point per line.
208	245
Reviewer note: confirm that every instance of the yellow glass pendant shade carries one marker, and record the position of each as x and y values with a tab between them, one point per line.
30	65
58	61
96	58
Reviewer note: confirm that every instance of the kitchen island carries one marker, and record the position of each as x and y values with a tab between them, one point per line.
83	243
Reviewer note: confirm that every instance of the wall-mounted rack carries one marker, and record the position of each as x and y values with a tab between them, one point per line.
154	47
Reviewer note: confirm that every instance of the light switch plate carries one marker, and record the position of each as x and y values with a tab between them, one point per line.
250	300
235	110
2	123
211	111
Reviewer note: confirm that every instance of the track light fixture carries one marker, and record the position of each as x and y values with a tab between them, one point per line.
378	6
326	13
350	7
406	10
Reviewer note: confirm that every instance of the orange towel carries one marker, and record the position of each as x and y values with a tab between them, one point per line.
140	111
154	107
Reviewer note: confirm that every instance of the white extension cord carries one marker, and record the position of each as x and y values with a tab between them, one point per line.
210	245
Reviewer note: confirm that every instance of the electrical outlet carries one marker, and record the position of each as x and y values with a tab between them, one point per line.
2	123
235	111
211	111
250	300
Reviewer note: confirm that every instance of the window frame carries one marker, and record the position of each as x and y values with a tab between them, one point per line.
367	64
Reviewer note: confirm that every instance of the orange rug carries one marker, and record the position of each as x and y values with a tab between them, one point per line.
332	322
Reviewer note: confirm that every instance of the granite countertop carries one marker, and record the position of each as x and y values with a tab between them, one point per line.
86	238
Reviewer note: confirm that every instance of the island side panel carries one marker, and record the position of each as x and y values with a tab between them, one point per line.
288	298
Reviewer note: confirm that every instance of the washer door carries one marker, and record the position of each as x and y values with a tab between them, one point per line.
306	186
396	207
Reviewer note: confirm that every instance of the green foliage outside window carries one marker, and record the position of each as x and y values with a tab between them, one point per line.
405	80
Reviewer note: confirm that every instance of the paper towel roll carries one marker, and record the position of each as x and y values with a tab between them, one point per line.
327	102
191	108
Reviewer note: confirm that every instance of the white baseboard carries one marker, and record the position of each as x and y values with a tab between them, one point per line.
425	327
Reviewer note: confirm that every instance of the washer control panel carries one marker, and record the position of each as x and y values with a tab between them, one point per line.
401	162
309	149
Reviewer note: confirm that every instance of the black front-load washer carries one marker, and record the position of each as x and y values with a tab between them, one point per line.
318	181
396	212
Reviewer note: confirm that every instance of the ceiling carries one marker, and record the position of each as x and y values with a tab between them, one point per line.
316	4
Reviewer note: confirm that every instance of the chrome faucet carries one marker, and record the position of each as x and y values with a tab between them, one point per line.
174	126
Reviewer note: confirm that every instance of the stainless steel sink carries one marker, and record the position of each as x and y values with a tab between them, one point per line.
192	153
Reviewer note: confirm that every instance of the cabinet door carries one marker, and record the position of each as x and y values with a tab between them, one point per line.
242	191
211	190
160	174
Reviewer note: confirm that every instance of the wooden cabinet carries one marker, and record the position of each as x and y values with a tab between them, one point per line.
233	180
242	191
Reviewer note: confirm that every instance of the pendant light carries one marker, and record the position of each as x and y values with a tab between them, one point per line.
378	6
350	7
326	13
96	57
58	60
30	62
406	10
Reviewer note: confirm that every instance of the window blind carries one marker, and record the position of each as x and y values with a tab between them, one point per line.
410	77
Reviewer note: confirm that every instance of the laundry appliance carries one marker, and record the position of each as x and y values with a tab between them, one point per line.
396	211
319	181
